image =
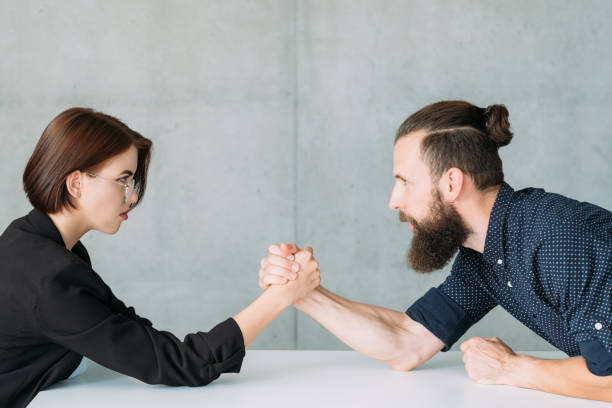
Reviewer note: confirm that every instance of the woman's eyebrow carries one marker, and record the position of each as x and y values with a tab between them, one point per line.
128	172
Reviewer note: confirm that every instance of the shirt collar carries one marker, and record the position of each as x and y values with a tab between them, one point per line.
42	224
494	242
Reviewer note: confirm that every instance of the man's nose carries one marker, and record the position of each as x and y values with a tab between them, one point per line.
394	202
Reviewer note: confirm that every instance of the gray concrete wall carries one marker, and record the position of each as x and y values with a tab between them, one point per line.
274	120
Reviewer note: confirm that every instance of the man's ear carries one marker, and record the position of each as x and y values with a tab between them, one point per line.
452	184
73	183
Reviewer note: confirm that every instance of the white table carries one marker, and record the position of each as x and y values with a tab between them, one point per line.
309	379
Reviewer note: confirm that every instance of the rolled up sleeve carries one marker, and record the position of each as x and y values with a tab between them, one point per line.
449	310
584	290
592	332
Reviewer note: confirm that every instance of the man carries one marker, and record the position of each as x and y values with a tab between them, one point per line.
543	257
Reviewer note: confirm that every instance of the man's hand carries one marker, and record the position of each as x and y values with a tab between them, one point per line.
279	266
489	361
308	277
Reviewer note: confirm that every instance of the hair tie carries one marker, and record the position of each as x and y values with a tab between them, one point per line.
487	115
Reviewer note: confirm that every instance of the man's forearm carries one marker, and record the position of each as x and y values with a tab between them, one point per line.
569	377
383	334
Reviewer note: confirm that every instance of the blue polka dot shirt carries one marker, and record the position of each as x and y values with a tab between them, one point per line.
548	261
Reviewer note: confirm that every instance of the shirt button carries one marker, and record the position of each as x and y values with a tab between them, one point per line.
499	261
598	326
509	284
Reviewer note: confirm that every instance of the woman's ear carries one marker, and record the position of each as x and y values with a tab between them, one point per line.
73	183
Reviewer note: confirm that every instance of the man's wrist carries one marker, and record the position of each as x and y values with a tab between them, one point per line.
303	302
518	371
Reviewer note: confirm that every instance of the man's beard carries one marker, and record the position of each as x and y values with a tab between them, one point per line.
436	238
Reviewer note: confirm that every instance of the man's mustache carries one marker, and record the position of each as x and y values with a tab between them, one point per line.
404	218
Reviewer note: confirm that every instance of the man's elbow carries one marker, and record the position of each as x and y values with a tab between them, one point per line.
406	363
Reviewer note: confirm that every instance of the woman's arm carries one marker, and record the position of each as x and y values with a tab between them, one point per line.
271	302
75	310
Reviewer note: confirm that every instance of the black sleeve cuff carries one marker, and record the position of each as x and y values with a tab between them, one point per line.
598	359
441	316
227	347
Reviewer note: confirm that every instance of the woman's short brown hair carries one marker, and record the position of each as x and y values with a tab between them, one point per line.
79	139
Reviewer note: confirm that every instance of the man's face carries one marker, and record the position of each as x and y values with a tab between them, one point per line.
412	190
438	228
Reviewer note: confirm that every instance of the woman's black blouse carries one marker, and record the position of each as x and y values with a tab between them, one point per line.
54	309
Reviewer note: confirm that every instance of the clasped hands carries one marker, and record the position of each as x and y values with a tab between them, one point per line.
287	265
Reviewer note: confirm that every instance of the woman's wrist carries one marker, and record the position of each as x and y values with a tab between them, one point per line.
281	294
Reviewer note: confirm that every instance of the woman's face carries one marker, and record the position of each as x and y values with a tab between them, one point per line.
102	201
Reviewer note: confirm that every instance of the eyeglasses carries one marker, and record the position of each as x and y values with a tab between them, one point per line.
129	188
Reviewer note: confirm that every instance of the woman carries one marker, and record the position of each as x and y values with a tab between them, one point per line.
87	172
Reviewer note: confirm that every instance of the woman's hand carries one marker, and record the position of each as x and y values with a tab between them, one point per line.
279	267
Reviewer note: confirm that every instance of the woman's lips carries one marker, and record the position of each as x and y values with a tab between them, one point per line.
124	215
